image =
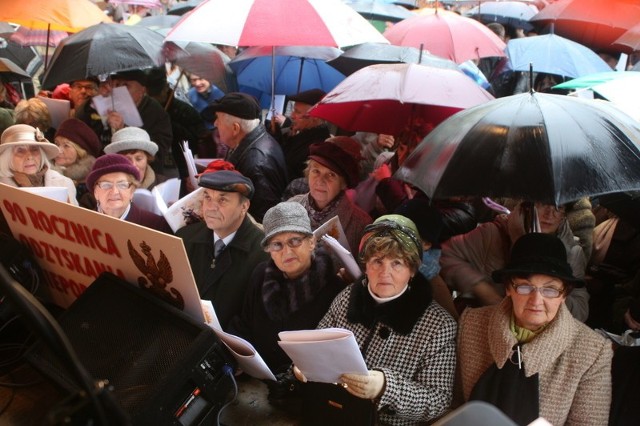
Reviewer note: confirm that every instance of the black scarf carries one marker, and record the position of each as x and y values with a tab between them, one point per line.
400	314
282	296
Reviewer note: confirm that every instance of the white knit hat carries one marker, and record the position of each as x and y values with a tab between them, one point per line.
131	138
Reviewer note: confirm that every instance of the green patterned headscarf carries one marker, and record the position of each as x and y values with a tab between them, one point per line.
401	228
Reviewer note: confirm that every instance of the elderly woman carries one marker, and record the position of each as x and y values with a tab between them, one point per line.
113	181
79	147
292	291
135	144
330	171
25	160
407	339
528	355
35	112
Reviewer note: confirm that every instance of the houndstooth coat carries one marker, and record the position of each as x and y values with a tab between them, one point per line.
411	340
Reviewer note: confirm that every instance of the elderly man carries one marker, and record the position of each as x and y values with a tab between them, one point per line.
224	249
80	91
155	119
252	150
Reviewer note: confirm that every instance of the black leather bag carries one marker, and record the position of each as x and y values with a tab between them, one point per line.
330	404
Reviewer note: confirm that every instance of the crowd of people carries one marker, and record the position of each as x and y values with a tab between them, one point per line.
456	301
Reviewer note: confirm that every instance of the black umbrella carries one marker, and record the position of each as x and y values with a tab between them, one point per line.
540	147
25	57
366	54
183	7
102	49
11	72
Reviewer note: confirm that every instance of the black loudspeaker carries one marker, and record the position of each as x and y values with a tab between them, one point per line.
164	367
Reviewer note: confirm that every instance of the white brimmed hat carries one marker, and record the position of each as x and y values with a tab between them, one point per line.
23	134
131	138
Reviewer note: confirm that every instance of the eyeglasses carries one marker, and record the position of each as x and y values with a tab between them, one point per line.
546	292
122	185
279	245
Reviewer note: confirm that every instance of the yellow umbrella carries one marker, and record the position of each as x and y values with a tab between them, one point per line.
63	15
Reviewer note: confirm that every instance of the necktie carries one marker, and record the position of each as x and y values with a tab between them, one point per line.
218	247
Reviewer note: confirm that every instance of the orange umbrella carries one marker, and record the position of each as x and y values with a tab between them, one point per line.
63	15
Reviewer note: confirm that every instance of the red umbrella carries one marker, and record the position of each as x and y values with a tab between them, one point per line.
385	98
448	35
594	23
629	41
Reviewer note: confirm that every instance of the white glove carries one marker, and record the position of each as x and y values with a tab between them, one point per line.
365	386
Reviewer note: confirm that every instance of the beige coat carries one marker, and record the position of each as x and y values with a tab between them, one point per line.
573	362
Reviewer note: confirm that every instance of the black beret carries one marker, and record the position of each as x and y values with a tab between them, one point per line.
227	181
309	97
237	104
133	75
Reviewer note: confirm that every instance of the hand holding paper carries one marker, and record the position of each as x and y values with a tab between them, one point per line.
365	386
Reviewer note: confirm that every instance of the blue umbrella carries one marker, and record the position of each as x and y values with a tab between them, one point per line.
292	69
553	54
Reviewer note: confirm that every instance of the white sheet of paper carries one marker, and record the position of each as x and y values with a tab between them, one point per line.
144	199
249	360
58	110
278	106
323	355
168	190
175	214
121	102
191	164
333	228
345	257
58	193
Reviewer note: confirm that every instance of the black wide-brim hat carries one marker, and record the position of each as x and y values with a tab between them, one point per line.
538	253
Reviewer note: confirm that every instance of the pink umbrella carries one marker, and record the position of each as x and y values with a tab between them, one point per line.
385	98
275	23
27	37
448	35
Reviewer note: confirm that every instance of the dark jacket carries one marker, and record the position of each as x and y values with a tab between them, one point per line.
148	219
155	121
296	148
226	284
260	158
255	324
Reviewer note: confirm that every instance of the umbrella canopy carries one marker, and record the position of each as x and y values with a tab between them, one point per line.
514	13
104	49
591	80
24	57
553	54
372	9
11	72
366	54
594	23
448	35
64	15
272	23
297	68
201	59
159	22
25	36
629	41
180	8
151	4
385	98
534	146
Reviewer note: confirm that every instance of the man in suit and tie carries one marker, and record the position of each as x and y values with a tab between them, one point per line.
224	249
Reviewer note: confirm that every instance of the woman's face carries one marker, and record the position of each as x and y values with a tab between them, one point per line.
26	159
532	311
294	258
549	217
139	160
324	184
116	194
68	154
387	276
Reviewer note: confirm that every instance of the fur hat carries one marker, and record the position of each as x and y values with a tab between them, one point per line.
337	159
227	181
287	216
130	138
538	253
23	134
110	163
78	132
237	104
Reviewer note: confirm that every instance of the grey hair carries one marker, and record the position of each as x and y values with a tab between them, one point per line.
246	125
6	161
